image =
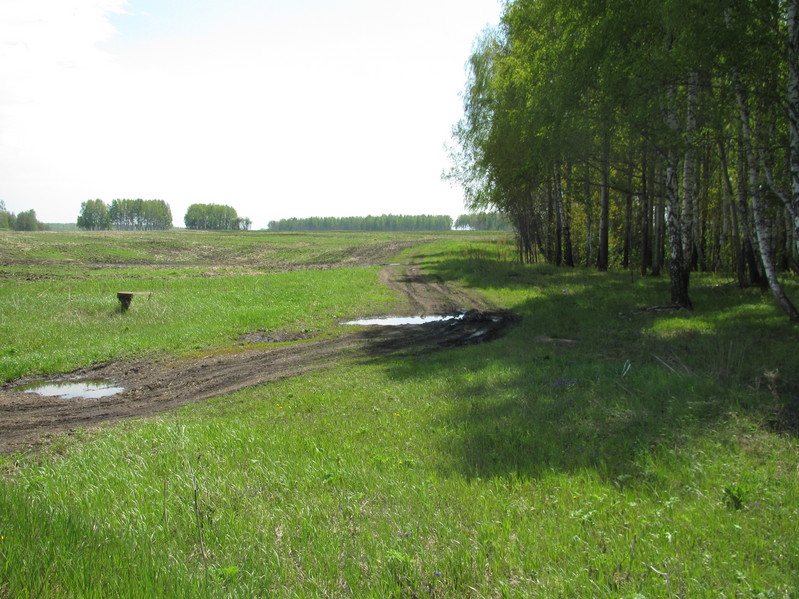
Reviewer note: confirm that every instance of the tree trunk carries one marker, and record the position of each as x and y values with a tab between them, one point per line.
523	219
756	277
689	172
758	153
757	210
554	210
737	253
563	220
589	221
628	230
679	274
646	219
660	230
792	204
761	228
700	223
602	262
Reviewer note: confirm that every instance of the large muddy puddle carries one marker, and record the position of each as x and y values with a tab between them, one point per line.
71	389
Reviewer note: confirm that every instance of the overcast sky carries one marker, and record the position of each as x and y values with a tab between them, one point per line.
278	108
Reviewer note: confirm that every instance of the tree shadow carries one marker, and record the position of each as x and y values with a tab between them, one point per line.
592	380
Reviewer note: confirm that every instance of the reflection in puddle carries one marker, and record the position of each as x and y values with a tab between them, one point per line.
403	320
72	389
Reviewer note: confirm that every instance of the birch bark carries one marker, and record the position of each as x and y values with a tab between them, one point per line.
689	168
792	204
757	208
678	273
761	228
568	257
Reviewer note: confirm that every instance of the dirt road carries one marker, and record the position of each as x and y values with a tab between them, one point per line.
153	385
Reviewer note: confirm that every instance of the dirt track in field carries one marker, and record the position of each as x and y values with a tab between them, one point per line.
153	385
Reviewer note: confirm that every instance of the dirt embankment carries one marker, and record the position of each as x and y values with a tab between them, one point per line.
154	385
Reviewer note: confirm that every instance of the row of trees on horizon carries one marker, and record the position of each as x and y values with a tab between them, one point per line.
131	215
660	134
386	222
151	215
24	221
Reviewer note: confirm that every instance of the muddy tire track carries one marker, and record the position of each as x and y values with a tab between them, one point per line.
153	385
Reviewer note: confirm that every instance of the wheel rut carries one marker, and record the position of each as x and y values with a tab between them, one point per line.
152	385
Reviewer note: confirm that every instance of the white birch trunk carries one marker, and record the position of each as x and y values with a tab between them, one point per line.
678	273
764	242
565	227
761	232
793	111
689	168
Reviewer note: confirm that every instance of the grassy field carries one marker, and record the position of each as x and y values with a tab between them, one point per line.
59	306
598	450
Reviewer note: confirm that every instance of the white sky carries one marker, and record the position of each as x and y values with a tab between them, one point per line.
278	108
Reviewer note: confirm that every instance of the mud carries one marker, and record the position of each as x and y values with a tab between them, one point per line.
154	385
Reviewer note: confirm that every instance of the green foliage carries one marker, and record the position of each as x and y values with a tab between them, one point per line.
386	222
483	221
577	114
214	217
140	215
94	216
24	221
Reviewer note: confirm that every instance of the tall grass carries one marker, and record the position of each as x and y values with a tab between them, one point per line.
598	450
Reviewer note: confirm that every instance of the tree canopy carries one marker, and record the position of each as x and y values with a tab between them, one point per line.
140	215
655	134
483	221
214	217
94	216
24	221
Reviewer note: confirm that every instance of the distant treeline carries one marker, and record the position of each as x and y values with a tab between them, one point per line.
215	217
484	221
61	226
125	215
386	222
24	221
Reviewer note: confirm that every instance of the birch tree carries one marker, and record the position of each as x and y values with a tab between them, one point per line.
674	121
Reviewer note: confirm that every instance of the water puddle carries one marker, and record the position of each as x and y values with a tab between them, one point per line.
72	389
403	320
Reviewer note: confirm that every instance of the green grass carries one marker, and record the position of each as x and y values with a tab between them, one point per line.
596	451
60	312
56	326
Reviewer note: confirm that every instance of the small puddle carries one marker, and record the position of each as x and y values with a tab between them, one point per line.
72	389
403	320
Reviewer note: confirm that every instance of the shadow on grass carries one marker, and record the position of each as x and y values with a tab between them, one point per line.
590	380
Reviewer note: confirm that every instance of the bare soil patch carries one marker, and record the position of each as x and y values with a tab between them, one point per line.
157	384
